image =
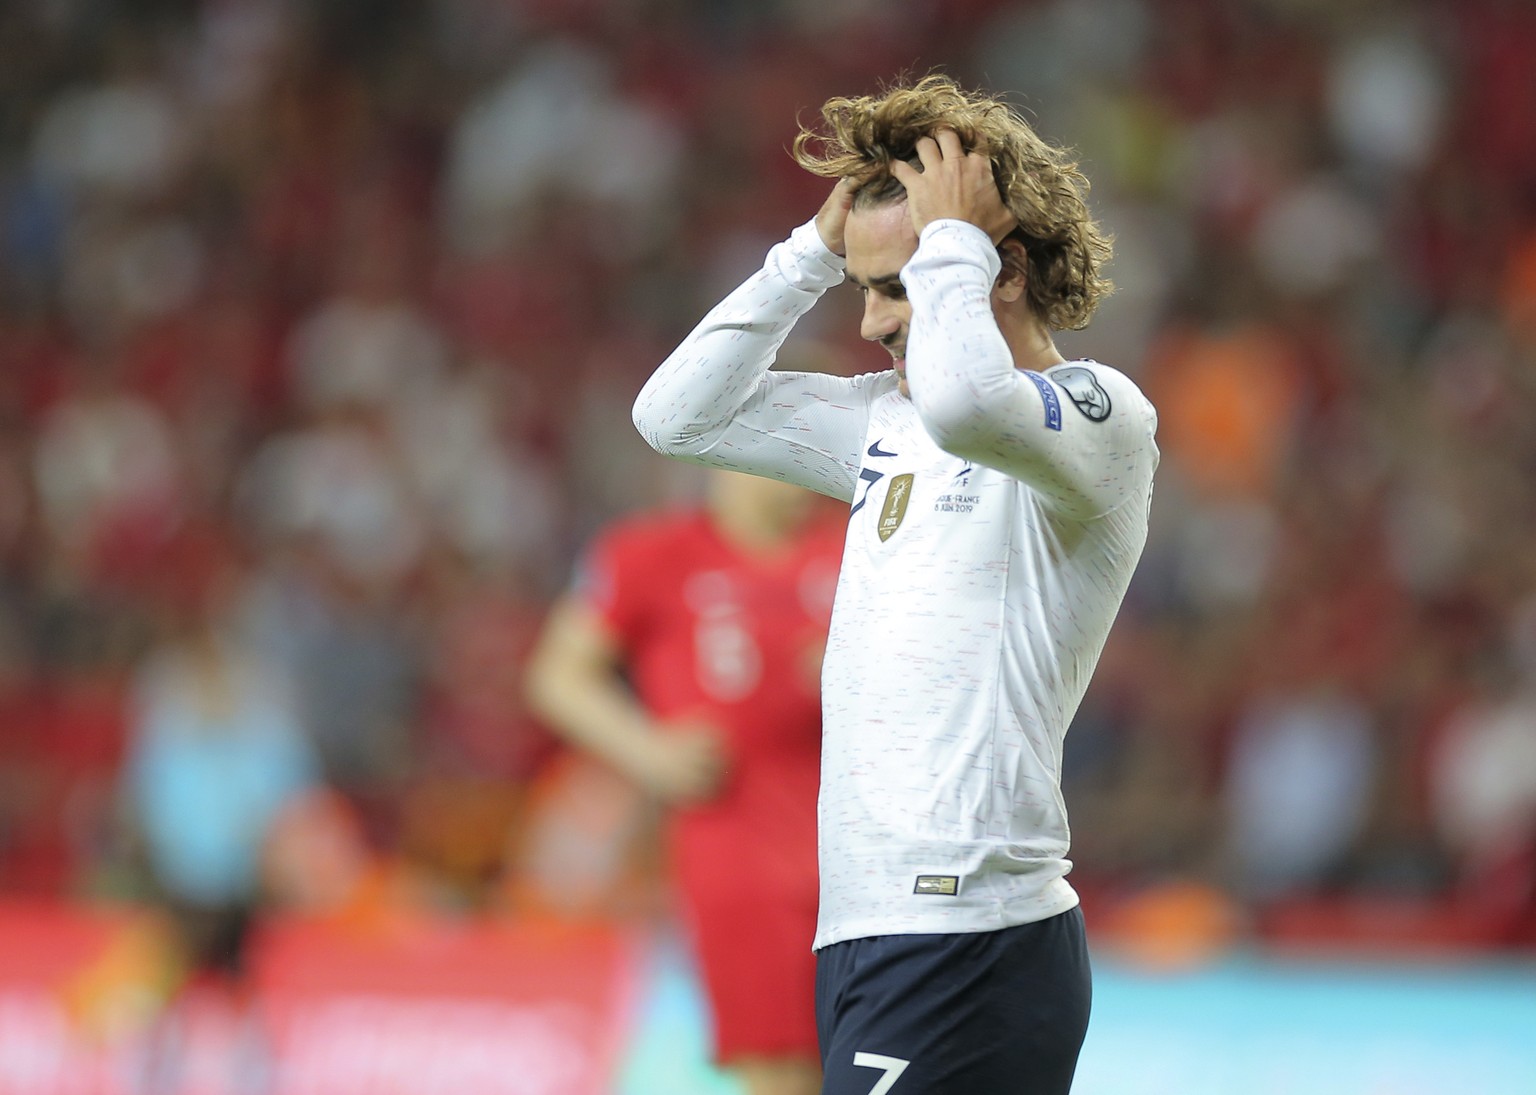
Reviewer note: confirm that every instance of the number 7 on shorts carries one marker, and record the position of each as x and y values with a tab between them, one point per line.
893	1067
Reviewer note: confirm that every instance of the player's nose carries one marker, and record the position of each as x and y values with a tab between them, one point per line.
881	318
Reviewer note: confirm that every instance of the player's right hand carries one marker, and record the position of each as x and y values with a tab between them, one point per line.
685	764
832	218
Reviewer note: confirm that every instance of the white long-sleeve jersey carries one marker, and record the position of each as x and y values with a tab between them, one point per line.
996	517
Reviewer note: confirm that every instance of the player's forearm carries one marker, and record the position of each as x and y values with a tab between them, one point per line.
966	386
692	398
593	711
582	701
959	366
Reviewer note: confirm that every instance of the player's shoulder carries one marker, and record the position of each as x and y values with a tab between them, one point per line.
658	531
634	557
1102	392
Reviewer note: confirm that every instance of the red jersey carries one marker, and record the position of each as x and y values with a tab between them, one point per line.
711	633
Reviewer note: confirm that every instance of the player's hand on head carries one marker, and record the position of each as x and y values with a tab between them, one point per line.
686	764
832	218
953	185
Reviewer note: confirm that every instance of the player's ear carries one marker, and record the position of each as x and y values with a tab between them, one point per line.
1013	280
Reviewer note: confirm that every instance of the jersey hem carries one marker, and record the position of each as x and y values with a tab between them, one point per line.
1059	898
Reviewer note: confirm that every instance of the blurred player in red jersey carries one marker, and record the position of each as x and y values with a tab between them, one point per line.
687	655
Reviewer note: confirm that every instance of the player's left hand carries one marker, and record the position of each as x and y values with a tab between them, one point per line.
953	185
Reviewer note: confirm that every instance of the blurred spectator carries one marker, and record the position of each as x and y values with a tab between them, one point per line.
1299	790
1484	799
107	475
216	753
369	344
467	453
352	651
558	125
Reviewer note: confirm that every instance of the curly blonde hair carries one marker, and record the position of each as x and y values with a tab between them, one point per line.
1040	184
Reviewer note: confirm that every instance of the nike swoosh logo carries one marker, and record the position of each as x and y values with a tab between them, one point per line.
876	450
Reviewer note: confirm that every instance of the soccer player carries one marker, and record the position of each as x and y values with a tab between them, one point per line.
687	655
998	505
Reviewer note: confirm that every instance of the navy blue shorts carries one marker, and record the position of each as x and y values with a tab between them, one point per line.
978	1013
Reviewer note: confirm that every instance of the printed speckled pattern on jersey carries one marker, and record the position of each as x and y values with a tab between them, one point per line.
714	402
976	590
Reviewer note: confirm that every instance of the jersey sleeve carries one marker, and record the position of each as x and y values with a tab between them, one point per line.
608	579
1080	434
715	400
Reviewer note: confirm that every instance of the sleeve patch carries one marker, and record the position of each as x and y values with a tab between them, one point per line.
1085	391
1048	396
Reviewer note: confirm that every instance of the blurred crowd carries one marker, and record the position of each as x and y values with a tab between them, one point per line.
320	321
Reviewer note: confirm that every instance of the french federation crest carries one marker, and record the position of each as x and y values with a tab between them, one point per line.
897	495
1087	394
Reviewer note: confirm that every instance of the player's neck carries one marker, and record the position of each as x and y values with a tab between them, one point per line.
1030	342
749	530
